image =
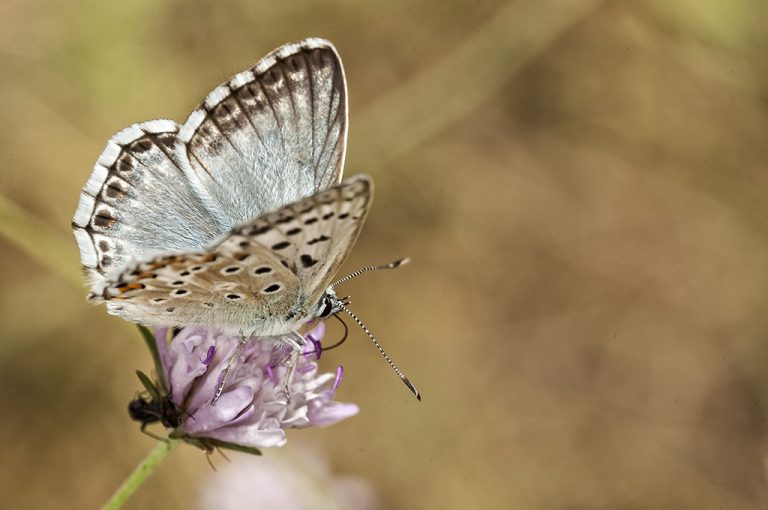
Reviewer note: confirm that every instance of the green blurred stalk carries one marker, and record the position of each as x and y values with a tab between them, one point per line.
140	474
39	241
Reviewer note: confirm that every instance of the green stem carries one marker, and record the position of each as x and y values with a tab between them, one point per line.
141	473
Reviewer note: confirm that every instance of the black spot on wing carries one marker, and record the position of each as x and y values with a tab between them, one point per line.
307	260
281	245
258	230
323	238
272	288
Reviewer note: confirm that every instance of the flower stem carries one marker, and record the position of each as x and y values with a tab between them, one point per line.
141	473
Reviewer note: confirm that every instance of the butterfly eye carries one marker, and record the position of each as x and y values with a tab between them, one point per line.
327	307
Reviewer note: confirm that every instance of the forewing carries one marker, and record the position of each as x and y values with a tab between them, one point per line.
137	201
313	236
270	135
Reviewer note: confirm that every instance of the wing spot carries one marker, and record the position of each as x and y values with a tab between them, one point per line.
281	245
170	309
328	216
321	239
284	219
241	256
223	112
262	270
307	260
234	297
125	287
159	300
112	191
258	230
139	146
124	164
293	231
167	139
179	292
310	221
177	283
231	270
343	216
275	287
184	273
207	305
104	218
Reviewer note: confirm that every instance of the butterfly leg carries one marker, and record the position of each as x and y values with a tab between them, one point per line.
296	342
225	373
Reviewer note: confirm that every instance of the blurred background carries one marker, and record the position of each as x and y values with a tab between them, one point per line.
581	185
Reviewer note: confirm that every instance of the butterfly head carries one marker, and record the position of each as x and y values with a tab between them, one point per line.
329	304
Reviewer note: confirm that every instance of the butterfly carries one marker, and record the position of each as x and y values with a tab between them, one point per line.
238	219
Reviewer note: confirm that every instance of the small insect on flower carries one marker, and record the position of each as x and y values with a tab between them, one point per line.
253	410
151	406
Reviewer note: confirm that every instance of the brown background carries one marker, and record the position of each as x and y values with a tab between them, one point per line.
581	186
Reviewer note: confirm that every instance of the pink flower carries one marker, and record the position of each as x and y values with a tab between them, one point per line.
253	410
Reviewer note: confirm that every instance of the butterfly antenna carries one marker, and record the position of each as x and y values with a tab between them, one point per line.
399	373
391	265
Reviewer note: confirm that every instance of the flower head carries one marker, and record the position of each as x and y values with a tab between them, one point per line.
253	410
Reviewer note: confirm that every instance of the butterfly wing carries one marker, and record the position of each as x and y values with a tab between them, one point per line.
315	235
138	201
270	135
239	286
266	277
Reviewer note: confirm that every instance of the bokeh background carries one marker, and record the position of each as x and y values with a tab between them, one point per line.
581	185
